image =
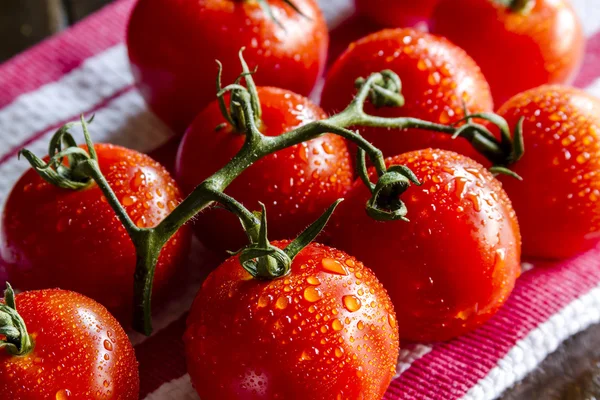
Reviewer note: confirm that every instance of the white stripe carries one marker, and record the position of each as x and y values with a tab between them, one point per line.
99	77
124	121
525	356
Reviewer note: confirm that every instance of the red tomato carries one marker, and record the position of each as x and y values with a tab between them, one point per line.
455	263
327	329
173	45
544	44
437	77
296	184
558	201
80	351
396	13
53	237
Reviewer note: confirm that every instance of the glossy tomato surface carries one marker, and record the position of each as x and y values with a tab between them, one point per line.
544	44
558	201
296	184
53	237
455	263
173	45
437	79
325	331
80	352
396	13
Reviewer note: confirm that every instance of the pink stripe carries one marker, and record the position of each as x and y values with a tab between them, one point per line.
452	368
36	135
57	56
589	70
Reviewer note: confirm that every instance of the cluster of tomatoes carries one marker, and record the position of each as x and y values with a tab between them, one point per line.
331	328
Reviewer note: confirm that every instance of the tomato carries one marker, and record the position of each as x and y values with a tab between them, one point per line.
53	237
296	184
79	351
558	201
544	44
396	13
437	77
455	263
327	329
173	46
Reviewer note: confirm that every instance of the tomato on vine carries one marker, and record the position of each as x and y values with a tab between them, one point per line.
296	184
454	264
558	201
70	237
438	80
173	44
58	344
327	329
542	39
396	13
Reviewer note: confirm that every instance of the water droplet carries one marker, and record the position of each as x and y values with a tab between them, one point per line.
337	325
474	198
106	384
313	280
583	157
352	303
263	301
333	266
128	200
339	352
108	345
282	303
305	356
327	147
392	321
138	180
360	325
461	185
63	394
312	294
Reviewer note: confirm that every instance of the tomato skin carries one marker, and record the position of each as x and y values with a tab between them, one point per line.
296	184
396	13
293	337
173	45
53	237
455	263
546	45
80	351
436	77
557	202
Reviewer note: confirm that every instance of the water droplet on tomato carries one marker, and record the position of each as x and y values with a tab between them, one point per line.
333	266
282	303
313	280
352	303
108	345
129	200
63	394
392	321
263	301
312	294
336	324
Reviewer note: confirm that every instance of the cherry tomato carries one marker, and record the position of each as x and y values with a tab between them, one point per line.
455	263
327	329
396	13
558	201
437	77
79	351
173	46
544	44
53	237
296	184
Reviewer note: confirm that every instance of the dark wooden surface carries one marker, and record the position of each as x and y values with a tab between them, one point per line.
571	373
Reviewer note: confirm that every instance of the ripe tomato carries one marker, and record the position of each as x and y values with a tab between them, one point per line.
173	46
455	263
53	237
79	351
296	184
396	13
327	329
437	77
545	44
558	201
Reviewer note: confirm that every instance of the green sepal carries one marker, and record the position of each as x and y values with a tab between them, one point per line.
385	203
17	341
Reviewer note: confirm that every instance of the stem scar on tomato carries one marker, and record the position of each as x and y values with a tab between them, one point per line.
261	259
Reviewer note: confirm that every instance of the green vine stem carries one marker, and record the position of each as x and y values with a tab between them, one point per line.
16	339
260	258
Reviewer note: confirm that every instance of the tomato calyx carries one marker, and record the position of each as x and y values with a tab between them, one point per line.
72	175
235	115
517	6
264	261
388	93
264	4
16	340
